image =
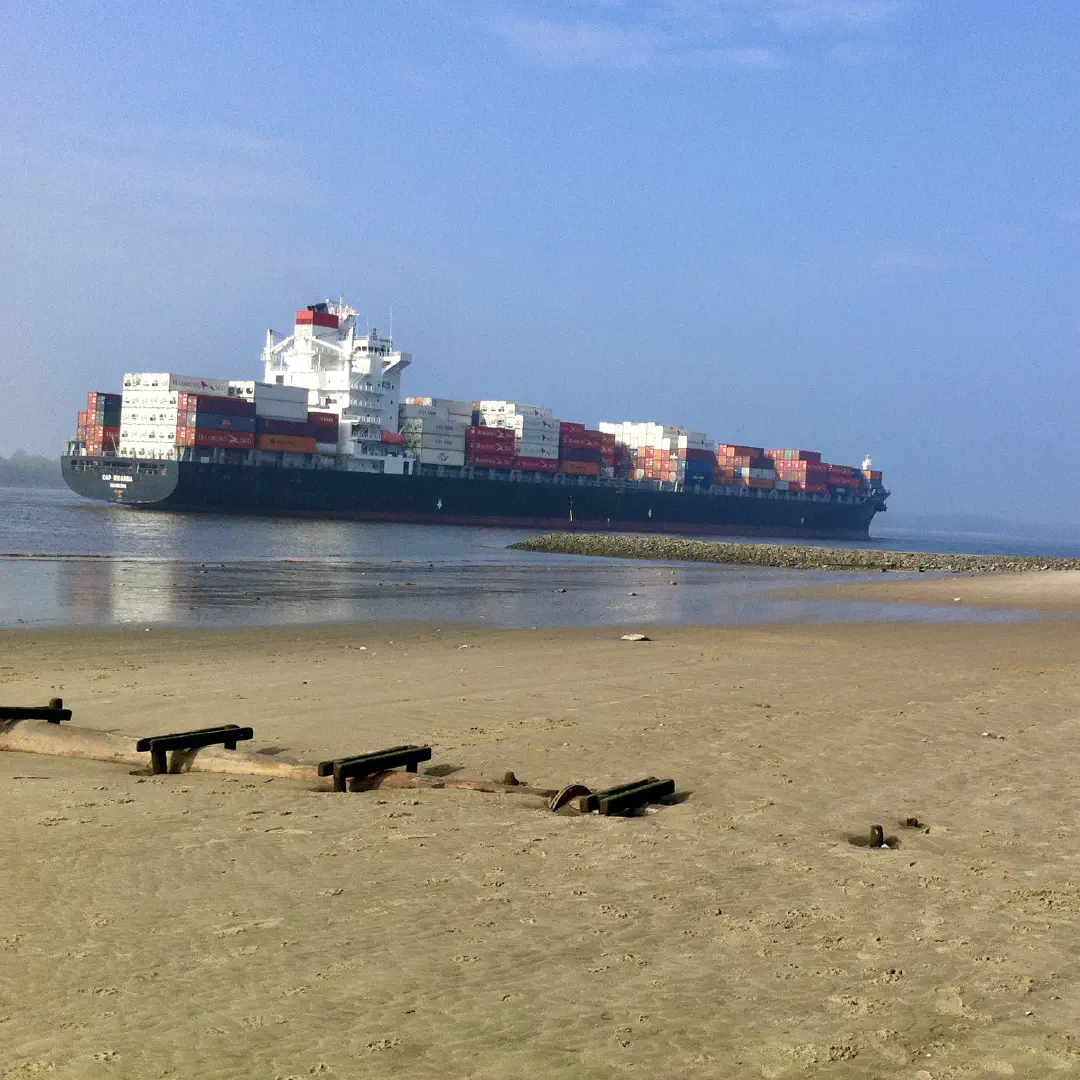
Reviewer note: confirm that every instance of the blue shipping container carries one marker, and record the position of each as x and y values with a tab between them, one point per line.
221	422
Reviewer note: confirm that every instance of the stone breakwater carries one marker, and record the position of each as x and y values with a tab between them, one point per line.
783	555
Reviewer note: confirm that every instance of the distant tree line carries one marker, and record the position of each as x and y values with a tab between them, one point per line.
29	470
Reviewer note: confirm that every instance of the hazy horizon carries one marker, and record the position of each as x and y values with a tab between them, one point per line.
850	225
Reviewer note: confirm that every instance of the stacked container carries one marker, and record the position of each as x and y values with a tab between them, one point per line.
649	451
581	452
434	429
536	433
325	427
744	466
205	420
156	405
98	428
696	459
801	470
490	447
273	400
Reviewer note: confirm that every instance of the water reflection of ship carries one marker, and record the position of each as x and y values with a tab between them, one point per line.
117	591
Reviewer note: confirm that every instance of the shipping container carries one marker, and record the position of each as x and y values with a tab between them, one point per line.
434	442
495	434
229	440
432	426
490	461
454	458
595	455
206	403
323	419
221	421
733	450
298	429
581	440
534	464
580	468
166	381
540	450
565	426
795	455
292	444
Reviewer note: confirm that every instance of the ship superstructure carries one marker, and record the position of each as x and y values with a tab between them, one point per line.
355	374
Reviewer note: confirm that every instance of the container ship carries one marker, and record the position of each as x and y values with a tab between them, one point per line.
326	433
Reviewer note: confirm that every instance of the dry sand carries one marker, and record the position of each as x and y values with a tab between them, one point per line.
195	926
1052	590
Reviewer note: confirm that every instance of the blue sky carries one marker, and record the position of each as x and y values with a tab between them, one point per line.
851	225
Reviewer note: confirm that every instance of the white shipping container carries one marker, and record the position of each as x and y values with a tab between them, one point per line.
536	423
511	408
149	416
433	427
136	397
326	448
281	410
436	442
148	432
251	389
442	457
421	412
781	485
538	450
191	384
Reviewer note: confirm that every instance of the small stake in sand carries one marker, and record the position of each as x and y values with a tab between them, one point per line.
877	839
158	745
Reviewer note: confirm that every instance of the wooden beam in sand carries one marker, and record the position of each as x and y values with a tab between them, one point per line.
41	737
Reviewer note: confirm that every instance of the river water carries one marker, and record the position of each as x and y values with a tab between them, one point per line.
121	567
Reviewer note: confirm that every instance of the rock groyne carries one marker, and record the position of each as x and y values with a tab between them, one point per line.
793	557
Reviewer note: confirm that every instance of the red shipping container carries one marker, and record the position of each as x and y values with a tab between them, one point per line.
490	461
230	440
733	450
581	440
323	419
536	464
842	470
499	434
566	426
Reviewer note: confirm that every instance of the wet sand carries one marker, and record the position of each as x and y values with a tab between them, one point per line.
197	926
1052	591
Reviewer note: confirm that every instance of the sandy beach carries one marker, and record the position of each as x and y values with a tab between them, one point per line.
1055	591
198	926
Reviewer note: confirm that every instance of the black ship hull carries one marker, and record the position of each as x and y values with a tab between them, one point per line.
448	497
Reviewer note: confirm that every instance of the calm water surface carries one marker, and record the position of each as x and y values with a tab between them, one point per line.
162	569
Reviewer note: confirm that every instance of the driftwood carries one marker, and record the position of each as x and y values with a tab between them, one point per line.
41	737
